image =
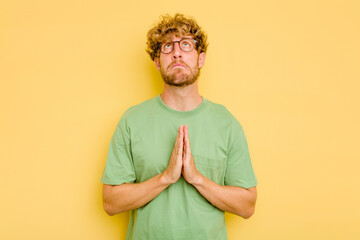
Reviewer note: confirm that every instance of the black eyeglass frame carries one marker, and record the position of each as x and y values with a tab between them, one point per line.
173	45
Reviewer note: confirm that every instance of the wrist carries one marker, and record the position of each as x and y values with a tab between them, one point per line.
165	178
197	180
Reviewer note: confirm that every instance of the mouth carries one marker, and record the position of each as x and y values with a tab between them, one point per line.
177	65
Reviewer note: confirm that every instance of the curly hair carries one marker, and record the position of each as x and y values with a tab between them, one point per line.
179	26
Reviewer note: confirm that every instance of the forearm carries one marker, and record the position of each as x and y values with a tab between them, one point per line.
128	196
237	200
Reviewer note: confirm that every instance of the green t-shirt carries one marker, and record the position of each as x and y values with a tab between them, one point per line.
141	148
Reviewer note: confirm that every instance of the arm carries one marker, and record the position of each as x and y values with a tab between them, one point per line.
237	200
128	196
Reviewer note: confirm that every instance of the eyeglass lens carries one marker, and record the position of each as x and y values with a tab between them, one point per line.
185	44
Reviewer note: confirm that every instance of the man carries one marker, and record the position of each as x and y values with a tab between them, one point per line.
178	161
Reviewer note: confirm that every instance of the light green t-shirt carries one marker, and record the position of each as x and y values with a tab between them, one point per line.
141	148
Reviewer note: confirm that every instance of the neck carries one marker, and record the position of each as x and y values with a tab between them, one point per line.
181	98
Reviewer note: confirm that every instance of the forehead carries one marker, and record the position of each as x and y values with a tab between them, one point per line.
174	37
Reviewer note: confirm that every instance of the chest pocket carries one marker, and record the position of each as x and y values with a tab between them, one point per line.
213	169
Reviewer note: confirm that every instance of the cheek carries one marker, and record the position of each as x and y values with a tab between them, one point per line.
192	60
194	63
164	62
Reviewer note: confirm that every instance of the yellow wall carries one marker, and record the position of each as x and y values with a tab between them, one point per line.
289	70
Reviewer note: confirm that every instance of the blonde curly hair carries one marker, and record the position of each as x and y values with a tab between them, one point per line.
179	26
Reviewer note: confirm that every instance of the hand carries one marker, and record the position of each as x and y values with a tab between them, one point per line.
189	171
173	171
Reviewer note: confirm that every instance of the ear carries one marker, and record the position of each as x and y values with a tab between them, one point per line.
157	63
202	59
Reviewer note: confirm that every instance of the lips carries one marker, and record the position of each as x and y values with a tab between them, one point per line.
177	65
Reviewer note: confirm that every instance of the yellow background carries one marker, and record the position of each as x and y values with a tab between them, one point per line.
288	70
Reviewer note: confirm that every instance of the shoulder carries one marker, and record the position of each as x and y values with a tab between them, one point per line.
138	112
140	108
219	108
222	114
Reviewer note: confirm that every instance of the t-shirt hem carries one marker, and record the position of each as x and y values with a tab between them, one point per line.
243	185
116	182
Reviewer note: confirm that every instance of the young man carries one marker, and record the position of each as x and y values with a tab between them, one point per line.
178	161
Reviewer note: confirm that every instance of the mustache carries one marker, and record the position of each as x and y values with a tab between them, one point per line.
176	62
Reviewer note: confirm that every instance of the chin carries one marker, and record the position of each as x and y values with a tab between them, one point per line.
180	78
179	83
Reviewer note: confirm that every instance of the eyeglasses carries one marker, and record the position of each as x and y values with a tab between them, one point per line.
185	44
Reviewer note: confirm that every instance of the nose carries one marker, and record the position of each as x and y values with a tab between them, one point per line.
177	51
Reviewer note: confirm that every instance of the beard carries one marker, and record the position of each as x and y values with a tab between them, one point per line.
180	77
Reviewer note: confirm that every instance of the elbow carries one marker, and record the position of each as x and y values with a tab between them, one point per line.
109	205
248	209
110	209
248	213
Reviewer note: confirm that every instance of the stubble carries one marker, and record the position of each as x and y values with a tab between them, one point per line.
180	77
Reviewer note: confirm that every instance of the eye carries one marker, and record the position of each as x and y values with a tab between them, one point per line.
167	45
186	43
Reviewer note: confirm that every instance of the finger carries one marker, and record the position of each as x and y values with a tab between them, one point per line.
187	139
185	127
180	146
181	137
177	143
178	137
183	153
184	130
184	150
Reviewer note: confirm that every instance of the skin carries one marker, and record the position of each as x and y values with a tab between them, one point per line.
179	69
128	196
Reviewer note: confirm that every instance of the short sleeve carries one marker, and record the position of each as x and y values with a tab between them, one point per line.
119	166
239	170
